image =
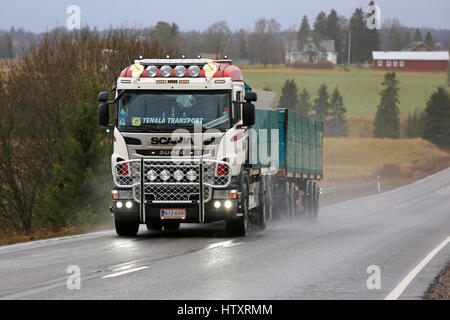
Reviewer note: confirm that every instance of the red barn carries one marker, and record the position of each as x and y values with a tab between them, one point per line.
411	60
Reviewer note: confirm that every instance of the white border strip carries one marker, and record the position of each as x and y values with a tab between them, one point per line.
398	290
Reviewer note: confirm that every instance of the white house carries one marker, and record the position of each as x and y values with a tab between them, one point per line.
310	51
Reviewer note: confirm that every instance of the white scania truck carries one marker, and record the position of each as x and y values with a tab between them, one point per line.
188	148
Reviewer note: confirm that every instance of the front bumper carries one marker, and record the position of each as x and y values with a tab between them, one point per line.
152	211
173	183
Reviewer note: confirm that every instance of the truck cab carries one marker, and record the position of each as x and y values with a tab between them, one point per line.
179	144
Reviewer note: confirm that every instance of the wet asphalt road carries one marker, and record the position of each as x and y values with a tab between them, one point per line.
289	260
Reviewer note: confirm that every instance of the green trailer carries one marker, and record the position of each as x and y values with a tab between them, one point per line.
293	179
300	142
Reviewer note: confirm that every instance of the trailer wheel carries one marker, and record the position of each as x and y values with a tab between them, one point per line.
238	227
287	202
292	202
316	200
154	224
126	228
307	198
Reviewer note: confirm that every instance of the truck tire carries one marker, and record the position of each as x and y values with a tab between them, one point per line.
238	227
307	198
292	202
316	200
126	228
262	212
171	225
154	224
287	202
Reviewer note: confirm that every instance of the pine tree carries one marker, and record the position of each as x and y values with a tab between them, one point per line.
333	29
418	36
414	125
429	41
304	32
396	40
436	123
407	38
321	104
304	103
387	120
359	41
336	124
320	25
289	95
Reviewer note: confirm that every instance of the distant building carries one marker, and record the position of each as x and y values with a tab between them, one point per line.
417	46
411	60
310	51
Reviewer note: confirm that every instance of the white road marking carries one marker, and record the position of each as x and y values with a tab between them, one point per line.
223	244
398	290
116	274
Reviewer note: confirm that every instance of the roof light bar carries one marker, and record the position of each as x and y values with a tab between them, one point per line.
194	71
166	71
180	71
151	71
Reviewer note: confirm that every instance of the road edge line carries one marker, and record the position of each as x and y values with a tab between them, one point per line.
400	288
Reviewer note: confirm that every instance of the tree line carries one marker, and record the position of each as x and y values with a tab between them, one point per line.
327	108
266	42
433	123
54	158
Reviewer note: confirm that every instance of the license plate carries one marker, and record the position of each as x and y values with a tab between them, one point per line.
172	213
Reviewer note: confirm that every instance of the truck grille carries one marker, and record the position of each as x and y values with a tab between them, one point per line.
172	180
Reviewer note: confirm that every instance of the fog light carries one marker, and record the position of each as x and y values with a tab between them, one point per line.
165	175
178	175
228	204
129	204
217	204
119	204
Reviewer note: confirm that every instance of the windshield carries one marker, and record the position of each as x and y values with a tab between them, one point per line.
172	110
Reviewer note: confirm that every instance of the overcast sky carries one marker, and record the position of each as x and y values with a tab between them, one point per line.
43	15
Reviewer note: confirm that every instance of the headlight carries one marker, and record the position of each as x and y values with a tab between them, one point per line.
152	175
178	175
180	71
191	175
194	71
166	71
152	71
165	175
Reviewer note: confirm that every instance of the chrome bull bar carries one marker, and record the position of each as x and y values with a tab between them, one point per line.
172	180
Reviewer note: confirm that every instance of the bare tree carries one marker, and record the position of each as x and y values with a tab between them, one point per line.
263	42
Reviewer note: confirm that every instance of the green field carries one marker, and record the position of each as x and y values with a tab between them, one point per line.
359	87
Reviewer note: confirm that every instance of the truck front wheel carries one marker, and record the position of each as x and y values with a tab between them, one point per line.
126	228
154	224
238	227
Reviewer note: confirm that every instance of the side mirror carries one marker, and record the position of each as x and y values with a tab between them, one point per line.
103	97
103	114
250	96
248	114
